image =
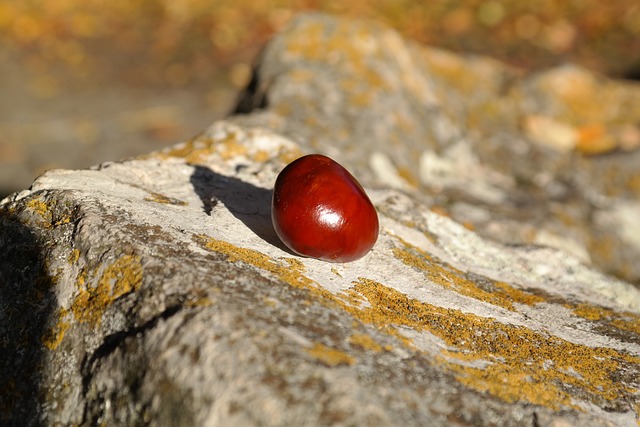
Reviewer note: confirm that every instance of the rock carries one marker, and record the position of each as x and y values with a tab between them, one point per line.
518	157
155	291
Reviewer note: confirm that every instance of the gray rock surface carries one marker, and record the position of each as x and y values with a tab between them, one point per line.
154	291
551	158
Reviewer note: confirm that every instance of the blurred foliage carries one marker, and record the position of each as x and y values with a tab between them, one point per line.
182	41
88	80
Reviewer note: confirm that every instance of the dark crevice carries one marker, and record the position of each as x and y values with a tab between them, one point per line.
253	97
27	303
633	72
115	340
535	422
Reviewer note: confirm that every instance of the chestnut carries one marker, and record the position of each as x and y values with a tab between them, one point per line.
319	210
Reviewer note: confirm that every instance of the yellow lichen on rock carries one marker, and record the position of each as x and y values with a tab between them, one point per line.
578	114
229	147
311	46
516	363
365	342
295	264
575	90
625	321
161	198
229	144
511	362
194	150
116	280
41	207
499	293
353	45
198	149
90	303
53	336
595	139
73	257
290	271
330	356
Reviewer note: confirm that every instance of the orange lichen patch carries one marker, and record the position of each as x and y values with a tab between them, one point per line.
564	215
296	264
199	149
116	280
284	109
576	91
230	147
594	139
261	156
290	272
270	302
311	121
625	321
440	210
45	210
314	35
199	302
287	155
330	356
436	271
517	295
409	177
353	44
485	115
633	183
511	362
403	123
453	70
301	75
523	377
293	275
365	342
469	225
518	364
195	150
587	312
73	257
603	247
161	198
39	206
361	99
53	337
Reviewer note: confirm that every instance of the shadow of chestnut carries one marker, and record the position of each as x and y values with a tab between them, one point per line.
245	201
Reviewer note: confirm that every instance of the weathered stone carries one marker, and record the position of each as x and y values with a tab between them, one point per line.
155	291
502	152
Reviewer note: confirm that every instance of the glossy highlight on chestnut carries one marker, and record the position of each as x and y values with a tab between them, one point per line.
319	210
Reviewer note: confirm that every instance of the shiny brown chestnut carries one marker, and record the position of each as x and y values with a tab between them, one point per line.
320	210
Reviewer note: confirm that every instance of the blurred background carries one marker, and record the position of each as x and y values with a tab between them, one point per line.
86	81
